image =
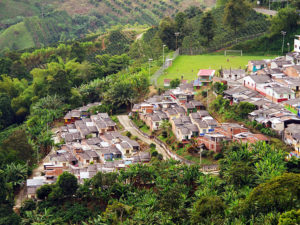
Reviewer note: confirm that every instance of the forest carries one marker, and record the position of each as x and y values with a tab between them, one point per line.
255	186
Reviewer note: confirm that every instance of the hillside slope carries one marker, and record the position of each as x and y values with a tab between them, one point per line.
48	21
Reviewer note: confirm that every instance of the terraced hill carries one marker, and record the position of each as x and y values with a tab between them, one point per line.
35	23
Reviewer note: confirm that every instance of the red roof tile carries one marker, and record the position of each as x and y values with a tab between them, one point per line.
206	72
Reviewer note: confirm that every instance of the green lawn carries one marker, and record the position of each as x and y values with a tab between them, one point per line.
188	66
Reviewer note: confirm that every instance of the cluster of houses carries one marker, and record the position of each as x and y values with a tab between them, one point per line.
272	85
91	144
190	120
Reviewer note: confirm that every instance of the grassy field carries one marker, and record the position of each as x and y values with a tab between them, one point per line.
188	66
16	37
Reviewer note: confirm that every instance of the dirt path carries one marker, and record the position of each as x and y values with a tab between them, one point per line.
125	121
266	11
139	36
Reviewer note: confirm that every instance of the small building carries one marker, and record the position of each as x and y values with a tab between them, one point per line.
297	43
255	82
33	184
234	74
72	116
212	141
255	65
230	129
167	82
206	76
247	137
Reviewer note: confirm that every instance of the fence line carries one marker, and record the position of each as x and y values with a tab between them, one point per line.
199	51
160	71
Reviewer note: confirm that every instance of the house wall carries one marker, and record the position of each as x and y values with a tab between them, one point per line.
209	144
249	83
296	45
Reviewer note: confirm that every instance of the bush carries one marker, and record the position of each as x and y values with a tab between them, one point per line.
152	146
204	94
154	154
218	156
160	157
128	134
28	205
44	191
204	153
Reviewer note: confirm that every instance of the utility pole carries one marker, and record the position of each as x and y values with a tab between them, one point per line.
164	56
207	99
176	35
149	65
283	35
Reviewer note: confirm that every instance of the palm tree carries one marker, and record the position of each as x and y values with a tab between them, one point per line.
16	174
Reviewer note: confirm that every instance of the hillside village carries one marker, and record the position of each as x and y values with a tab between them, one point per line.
92	143
272	85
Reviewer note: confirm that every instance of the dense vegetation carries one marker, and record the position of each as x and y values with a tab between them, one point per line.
255	186
35	23
37	88
285	20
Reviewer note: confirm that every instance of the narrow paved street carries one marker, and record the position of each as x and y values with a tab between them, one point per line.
125	121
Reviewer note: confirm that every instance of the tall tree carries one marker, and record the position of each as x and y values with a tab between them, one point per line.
285	20
235	13
167	29
207	26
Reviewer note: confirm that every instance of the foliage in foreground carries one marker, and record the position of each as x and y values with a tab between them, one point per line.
255	186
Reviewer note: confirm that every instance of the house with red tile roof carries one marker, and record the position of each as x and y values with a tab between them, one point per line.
206	76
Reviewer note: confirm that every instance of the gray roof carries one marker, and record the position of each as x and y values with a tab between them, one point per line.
125	145
91	153
201	123
258	62
282	90
192	127
234	72
261	78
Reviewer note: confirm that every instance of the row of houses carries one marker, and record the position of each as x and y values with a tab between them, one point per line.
91	144
273	86
190	120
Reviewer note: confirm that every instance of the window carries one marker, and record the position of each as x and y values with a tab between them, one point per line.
127	151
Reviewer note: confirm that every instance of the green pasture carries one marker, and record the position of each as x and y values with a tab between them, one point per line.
188	66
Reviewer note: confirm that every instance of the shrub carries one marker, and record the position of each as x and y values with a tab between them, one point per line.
44	191
154	154
160	157
28	205
218	156
152	146
128	134
204	153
